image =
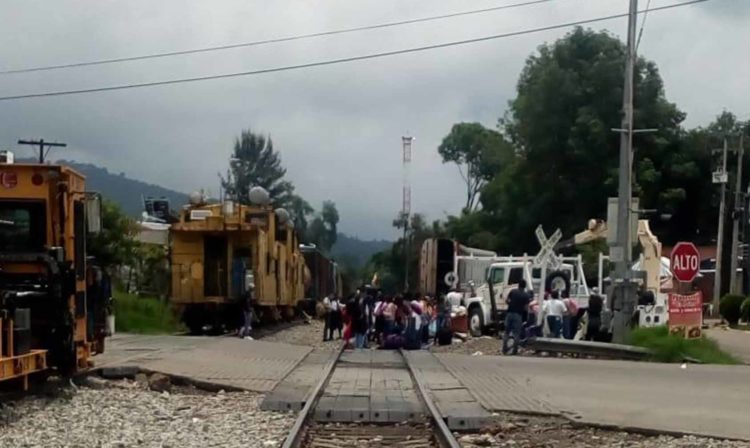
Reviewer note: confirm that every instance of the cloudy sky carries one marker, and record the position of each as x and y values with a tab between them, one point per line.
338	127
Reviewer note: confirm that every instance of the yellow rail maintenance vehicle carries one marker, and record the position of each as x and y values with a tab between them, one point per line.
45	318
221	253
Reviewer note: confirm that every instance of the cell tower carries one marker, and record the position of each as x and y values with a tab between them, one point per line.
406	206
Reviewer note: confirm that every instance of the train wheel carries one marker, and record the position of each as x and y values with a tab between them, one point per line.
194	320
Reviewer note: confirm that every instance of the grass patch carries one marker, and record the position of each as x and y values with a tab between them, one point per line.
669	348
148	315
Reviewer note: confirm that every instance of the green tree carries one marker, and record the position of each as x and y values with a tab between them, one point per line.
300	211
390	263
254	162
323	228
115	245
569	98
478	152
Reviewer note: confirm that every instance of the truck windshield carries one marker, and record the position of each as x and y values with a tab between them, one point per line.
22	226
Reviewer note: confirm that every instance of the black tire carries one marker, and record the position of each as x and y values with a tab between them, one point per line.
555	277
475	313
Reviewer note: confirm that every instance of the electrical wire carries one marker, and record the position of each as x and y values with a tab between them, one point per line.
643	25
340	60
270	41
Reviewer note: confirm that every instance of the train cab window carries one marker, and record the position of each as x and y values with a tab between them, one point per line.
22	226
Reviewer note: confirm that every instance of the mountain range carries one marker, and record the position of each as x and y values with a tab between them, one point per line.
129	193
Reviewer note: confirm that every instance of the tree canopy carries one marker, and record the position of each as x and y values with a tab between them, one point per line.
115	245
479	153
553	159
254	162
322	230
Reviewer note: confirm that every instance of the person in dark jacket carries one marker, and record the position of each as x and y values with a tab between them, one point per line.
594	312
247	314
518	301
356	309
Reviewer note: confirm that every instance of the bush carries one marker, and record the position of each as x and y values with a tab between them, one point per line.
745	310
670	348
149	315
729	307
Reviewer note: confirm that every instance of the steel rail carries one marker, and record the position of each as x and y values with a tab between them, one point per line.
294	438
444	434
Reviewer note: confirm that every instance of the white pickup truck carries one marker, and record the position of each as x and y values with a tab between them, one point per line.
504	274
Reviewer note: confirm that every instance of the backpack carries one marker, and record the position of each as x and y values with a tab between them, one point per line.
445	335
393	342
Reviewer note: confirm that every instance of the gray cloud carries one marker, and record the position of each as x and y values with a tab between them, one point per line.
338	127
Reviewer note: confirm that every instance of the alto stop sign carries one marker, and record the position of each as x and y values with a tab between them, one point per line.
685	261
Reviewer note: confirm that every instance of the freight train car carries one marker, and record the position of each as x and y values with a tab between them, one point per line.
218	252
325	277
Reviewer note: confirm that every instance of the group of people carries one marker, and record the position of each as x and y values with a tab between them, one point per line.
560	317
367	317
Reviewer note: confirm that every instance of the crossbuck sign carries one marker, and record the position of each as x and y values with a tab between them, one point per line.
546	255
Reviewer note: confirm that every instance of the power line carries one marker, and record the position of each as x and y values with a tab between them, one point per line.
643	25
341	60
269	41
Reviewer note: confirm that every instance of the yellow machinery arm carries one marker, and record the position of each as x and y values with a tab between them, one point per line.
597	229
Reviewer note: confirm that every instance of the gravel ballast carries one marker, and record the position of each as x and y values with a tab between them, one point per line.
520	431
125	414
309	334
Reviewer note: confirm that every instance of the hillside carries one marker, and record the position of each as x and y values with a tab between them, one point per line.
128	194
123	190
355	252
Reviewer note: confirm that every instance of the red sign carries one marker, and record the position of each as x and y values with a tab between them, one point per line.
686	315
685	261
8	179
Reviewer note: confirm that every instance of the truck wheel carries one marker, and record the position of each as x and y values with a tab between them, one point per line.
476	321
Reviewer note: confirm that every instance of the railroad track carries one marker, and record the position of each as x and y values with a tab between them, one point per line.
432	432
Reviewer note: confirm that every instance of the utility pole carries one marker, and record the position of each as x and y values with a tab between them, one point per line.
406	205
41	143
722	178
621	253
736	216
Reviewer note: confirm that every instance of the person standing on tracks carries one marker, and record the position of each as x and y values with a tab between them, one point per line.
518	301
443	330
327	316
247	314
554	310
355	311
593	318
570	318
334	317
389	316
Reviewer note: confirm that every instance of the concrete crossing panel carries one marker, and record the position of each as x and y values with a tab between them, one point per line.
494	388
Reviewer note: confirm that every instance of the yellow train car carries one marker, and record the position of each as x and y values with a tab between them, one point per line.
49	317
218	252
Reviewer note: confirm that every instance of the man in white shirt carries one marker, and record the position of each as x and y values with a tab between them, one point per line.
454	297
554	309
